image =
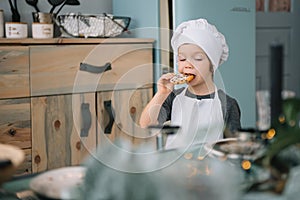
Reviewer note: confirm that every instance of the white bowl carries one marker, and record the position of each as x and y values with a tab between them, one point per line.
12	154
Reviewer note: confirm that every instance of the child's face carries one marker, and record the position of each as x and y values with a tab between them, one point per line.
193	60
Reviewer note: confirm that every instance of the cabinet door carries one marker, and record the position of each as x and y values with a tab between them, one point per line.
60	136
14	72
118	116
58	69
15	128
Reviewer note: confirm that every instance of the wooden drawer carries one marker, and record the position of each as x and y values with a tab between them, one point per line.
14	72
15	127
56	69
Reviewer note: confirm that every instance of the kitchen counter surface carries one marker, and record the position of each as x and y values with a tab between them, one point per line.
31	41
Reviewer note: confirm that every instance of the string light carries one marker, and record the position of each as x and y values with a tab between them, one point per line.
292	123
263	136
281	119
271	133
246	164
188	156
200	157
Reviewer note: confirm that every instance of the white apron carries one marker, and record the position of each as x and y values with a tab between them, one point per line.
201	121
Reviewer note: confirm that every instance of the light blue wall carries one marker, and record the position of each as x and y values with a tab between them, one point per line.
144	16
144	22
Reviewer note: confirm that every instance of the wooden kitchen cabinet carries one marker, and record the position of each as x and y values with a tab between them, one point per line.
15	127
14	72
15	122
55	69
66	86
118	116
57	140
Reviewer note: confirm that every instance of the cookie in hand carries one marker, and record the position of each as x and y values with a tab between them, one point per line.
182	78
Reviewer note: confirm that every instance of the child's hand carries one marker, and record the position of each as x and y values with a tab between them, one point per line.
164	85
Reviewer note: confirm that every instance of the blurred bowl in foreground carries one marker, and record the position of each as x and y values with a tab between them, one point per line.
11	157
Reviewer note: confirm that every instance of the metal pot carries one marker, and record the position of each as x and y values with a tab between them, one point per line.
162	132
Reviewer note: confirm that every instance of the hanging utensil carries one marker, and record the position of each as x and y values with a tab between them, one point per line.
33	3
16	5
55	3
14	10
68	2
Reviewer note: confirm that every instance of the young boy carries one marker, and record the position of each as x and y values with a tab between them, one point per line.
200	109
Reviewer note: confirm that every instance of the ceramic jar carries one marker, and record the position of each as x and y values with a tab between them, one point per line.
16	30
42	30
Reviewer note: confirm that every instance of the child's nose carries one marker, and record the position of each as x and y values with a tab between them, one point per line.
188	65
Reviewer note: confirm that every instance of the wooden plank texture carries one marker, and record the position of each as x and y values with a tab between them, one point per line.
56	140
88	141
15	128
55	69
14	72
127	106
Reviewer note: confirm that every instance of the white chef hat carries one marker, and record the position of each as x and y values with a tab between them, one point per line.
206	36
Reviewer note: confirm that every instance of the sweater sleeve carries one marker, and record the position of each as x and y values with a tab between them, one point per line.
231	111
233	121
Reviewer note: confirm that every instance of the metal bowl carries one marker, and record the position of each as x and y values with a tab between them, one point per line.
234	148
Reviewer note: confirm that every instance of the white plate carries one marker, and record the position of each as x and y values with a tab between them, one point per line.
59	183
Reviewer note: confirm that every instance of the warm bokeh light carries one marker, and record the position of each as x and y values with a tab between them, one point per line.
271	133
246	164
192	170
200	157
188	156
292	123
281	119
207	170
263	136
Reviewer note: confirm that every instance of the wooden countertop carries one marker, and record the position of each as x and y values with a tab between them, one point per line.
31	41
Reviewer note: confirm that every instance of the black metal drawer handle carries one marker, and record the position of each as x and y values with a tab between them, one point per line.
109	109
86	119
95	69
